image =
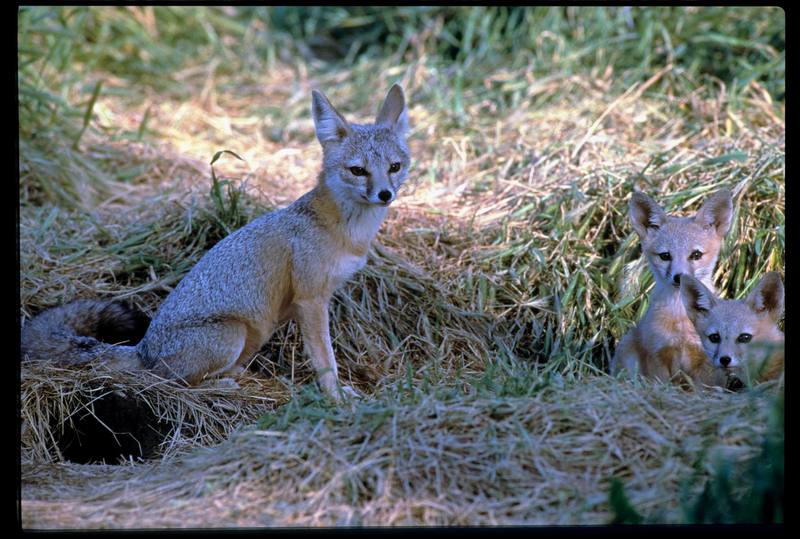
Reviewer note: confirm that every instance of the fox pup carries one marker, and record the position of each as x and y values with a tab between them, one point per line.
665	343
283	265
741	338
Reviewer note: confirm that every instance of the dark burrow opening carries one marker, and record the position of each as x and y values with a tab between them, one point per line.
116	426
119	425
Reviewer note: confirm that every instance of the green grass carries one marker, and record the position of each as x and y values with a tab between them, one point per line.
508	269
743	492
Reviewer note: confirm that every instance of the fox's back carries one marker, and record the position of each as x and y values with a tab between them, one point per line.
233	277
262	265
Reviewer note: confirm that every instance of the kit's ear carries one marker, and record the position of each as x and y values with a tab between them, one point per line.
697	299
716	212
645	214
767	296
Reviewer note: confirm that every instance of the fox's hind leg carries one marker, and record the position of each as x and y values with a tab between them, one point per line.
255	340
194	354
627	355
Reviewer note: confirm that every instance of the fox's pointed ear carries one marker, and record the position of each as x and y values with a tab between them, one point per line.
329	124
767	296
393	112
697	299
645	214
717	212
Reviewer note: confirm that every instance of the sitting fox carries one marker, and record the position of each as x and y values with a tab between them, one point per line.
665	344
284	265
741	338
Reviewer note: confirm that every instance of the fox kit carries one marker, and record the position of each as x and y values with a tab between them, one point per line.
741	338
665	343
283	265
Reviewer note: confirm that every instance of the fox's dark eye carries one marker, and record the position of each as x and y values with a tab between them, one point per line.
666	257
714	337
696	255
744	337
358	171
394	167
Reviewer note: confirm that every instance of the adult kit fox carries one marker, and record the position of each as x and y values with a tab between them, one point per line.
664	343
284	265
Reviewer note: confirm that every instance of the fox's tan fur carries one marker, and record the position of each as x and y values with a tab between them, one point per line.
740	338
283	265
664	344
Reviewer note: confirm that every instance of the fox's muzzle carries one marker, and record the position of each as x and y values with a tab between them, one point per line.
384	197
726	361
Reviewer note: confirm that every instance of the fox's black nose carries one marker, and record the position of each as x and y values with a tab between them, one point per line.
725	361
676	279
385	195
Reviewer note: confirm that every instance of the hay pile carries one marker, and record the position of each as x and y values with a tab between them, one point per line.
94	414
419	460
392	317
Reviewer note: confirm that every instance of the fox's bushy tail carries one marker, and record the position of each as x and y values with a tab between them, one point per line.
84	331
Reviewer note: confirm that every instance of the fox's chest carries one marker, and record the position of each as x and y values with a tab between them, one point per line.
672	340
345	266
666	322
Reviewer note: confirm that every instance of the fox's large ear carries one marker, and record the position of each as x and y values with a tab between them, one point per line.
645	214
716	212
329	124
767	296
393	112
697	299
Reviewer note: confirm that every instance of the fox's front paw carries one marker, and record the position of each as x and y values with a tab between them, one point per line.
734	383
221	383
349	392
341	393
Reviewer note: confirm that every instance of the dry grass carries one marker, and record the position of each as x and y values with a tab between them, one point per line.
431	461
54	399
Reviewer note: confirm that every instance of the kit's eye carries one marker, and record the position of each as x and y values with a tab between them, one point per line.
666	257
394	167
714	337
696	255
358	171
744	337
